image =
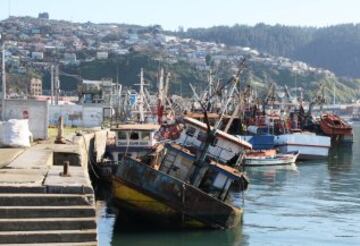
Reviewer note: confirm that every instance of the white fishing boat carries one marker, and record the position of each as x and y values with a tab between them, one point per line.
270	160
309	145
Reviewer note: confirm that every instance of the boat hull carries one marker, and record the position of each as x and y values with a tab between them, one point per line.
288	160
333	126
149	208
161	197
310	147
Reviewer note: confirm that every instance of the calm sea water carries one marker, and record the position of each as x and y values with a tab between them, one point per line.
312	203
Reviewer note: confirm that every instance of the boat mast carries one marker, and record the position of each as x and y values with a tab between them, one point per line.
167	83
141	96
161	86
160	103
211	132
334	94
210	83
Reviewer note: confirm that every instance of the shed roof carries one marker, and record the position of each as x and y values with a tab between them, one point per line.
136	127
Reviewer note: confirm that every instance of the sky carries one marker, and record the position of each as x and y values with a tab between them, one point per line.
171	14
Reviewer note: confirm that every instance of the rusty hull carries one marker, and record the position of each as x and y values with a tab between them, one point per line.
186	200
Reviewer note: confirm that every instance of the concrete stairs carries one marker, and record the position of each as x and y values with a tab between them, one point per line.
46	212
39	204
49	237
54	244
47	219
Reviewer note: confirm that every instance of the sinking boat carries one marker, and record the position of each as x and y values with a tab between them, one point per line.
336	128
189	184
181	191
261	158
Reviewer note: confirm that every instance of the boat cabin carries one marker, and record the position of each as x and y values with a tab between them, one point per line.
178	162
133	140
224	148
219	178
213	178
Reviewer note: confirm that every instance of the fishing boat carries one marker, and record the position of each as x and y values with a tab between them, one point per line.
180	191
259	142
335	127
263	159
190	183
309	145
132	140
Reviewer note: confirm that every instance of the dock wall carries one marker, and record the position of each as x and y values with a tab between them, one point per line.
41	205
77	115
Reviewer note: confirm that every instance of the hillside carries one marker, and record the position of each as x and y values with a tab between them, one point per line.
119	51
336	48
126	69
257	74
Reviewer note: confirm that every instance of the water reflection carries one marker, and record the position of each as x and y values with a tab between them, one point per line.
313	203
156	237
116	228
271	174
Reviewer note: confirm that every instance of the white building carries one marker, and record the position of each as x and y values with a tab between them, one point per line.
37	55
70	58
102	55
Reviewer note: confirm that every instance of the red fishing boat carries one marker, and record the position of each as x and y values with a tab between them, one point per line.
336	128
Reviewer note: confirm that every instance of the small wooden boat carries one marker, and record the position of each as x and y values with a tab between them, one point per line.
334	127
270	160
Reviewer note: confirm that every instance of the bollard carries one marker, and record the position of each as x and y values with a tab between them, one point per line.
65	172
60	138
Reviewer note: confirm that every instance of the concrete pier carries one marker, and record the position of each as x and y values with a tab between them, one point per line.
41	206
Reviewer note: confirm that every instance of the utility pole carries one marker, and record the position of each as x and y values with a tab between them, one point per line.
52	84
57	85
3	71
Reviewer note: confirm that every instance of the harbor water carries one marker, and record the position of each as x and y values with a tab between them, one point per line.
312	203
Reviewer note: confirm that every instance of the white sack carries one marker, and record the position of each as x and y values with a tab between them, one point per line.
15	133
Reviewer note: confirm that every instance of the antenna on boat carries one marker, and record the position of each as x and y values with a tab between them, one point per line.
211	131
141	98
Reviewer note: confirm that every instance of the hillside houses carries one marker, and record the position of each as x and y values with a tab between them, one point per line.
34	40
